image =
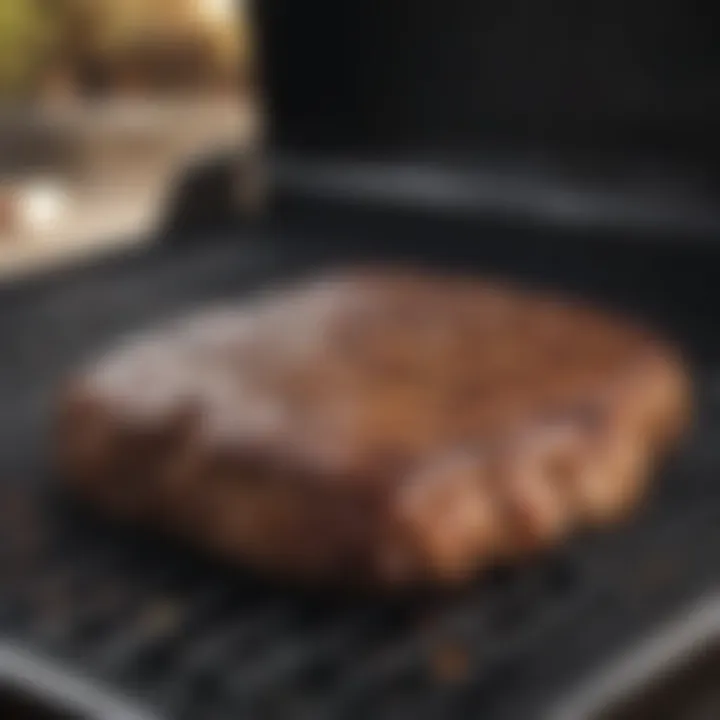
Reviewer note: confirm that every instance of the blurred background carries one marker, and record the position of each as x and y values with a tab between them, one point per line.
103	103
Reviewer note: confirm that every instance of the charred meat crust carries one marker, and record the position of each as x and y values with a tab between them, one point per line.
381	427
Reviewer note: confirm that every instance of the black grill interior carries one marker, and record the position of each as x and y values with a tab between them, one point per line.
194	639
623	83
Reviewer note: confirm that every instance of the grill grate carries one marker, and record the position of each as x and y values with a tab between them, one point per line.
198	640
190	636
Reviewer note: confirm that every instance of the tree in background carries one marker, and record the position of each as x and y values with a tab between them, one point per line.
158	45
91	47
28	42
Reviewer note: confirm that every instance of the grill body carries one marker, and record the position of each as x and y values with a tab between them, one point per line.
183	637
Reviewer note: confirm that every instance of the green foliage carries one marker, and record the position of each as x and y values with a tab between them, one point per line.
27	37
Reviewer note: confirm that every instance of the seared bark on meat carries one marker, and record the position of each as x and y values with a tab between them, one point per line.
377	427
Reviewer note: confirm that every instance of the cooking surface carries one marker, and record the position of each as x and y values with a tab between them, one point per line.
188	636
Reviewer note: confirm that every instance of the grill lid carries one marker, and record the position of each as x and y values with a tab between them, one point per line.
562	112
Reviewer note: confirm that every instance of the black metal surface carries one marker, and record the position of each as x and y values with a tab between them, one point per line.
598	113
387	77
196	640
